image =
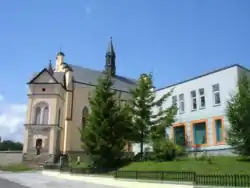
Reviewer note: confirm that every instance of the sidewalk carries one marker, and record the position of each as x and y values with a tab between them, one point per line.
112	181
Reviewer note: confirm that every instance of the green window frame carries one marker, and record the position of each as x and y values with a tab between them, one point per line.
218	130
179	135
199	133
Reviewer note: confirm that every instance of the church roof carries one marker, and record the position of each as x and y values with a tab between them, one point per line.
89	76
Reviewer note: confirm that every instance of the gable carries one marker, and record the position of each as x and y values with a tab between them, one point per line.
43	77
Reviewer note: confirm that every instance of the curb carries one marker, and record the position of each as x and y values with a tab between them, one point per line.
112	181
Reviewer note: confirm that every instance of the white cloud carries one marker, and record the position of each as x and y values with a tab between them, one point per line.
12	117
87	9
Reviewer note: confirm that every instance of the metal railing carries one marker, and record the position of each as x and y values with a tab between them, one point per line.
183	177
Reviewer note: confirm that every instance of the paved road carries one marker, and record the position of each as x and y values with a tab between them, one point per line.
8	184
38	180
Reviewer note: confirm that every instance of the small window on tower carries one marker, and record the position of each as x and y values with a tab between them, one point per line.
43	89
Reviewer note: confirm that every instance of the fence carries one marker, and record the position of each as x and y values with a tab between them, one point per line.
180	177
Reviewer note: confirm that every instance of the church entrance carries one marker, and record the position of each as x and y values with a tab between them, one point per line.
38	146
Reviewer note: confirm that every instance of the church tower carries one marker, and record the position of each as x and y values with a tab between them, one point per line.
110	67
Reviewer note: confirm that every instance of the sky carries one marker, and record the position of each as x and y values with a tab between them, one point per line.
174	39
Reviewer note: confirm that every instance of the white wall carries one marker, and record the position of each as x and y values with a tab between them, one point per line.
10	157
227	80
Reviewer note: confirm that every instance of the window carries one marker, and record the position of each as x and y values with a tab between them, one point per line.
41	113
45	119
218	130
59	117
181	103
85	113
193	100
37	115
174	100
216	94
202	98
179	135
199	133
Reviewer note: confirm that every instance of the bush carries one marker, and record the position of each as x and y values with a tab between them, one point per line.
180	151
164	150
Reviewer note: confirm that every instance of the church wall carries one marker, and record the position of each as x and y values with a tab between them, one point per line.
81	95
81	99
52	95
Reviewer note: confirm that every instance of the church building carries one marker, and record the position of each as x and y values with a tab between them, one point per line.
58	104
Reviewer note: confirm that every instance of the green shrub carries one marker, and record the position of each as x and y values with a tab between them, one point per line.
164	150
180	151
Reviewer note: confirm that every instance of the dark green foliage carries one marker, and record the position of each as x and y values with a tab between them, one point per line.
148	125
104	136
9	145
238	113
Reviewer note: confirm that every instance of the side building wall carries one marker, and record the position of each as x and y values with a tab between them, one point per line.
208	115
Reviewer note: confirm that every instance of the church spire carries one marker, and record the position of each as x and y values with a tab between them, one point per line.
50	68
110	67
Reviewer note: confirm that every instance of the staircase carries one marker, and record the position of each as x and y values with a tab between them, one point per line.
34	160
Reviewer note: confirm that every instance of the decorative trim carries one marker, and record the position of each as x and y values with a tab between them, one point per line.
49	94
43	138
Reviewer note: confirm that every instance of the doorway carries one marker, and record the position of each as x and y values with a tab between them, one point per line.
39	143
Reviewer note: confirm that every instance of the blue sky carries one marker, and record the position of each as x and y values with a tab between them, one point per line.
175	39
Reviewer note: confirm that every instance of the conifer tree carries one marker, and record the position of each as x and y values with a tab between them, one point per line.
149	125
104	136
238	114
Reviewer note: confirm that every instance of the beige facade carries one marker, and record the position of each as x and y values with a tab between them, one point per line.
58	103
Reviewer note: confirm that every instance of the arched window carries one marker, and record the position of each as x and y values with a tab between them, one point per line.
37	115
85	113
41	113
46	115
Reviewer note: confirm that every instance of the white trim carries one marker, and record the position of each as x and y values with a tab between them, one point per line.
35	137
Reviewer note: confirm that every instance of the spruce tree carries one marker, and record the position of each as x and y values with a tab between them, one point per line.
149	125
238	114
104	136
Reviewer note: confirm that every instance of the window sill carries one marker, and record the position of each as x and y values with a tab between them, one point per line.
202	108
199	145
181	112
193	110
220	143
215	105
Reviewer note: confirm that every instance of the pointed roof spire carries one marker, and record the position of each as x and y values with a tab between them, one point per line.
110	50
50	68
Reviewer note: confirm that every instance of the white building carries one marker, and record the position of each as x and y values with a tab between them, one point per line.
201	122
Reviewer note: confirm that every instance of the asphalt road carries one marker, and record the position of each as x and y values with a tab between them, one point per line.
8	184
38	180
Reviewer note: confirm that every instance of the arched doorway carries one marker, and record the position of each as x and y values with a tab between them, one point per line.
39	143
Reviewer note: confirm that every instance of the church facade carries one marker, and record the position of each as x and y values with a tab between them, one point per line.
58	105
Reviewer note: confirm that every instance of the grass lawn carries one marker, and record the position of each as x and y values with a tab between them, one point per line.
15	168
222	165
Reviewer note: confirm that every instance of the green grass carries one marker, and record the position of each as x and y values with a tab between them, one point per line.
221	165
15	168
81	165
